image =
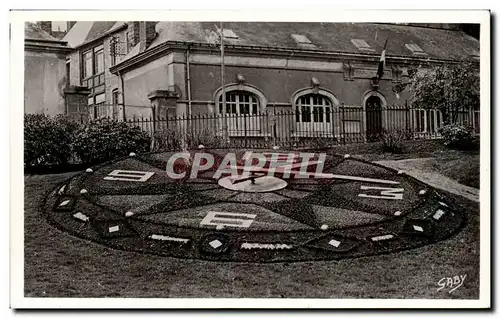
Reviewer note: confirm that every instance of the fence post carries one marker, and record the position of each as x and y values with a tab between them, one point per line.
407	112
343	124
245	127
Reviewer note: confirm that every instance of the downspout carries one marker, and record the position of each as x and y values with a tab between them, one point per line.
123	95
188	79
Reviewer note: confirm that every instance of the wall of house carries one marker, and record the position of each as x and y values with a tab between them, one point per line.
277	78
112	81
44	80
138	83
279	83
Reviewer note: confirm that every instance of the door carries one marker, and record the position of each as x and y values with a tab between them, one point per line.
373	118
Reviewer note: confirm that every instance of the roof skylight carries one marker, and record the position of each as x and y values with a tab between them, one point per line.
229	34
361	45
302	40
415	49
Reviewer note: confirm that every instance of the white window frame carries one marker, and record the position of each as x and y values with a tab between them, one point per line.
312	127
238	120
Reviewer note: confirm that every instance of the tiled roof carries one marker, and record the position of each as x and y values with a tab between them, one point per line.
33	31
332	37
87	31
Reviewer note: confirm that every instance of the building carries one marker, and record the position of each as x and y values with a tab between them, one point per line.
97	47
287	67
45	72
295	78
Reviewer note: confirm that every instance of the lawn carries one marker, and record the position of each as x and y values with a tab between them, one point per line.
461	166
60	265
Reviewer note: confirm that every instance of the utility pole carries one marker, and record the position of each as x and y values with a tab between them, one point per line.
224	115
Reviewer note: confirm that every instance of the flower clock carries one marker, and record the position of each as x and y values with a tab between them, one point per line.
250	206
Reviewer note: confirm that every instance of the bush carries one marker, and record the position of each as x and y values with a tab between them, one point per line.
48	140
167	139
458	136
393	141
101	141
319	142
205	137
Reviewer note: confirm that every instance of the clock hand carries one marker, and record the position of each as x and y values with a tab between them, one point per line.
322	175
319	175
252	177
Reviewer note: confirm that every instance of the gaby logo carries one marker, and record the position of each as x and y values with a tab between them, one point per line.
299	165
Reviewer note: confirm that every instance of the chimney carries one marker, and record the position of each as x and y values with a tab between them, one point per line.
132	33
46	26
147	33
69	25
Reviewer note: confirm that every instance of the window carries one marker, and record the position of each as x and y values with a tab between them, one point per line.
87	64
99	99
68	72
240	103
303	40
242	111
98	107
415	49
229	34
99	60
128	40
115	97
361	45
93	76
313	108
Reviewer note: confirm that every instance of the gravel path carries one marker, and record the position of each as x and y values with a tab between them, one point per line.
416	169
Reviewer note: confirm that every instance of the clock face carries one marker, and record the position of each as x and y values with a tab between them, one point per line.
291	207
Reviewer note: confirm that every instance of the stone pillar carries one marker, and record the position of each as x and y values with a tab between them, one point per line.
164	103
76	100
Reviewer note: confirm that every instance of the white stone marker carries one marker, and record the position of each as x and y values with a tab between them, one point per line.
382	237
215	243
80	216
418	228
334	243
439	213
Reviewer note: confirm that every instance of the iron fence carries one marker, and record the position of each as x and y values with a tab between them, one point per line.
318	127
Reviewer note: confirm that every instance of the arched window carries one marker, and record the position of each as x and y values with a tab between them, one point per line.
240	103
313	108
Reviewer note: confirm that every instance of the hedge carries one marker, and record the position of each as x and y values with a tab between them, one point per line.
60	140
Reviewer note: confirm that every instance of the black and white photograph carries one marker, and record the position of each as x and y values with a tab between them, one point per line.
252	161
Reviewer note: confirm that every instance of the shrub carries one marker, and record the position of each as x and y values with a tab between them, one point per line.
458	136
393	141
205	137
101	141
167	139
321	142
48	140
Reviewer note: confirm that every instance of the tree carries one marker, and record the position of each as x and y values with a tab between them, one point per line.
447	87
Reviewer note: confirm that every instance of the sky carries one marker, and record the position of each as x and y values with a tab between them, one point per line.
58	25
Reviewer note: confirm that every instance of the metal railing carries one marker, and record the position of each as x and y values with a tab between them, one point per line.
316	126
